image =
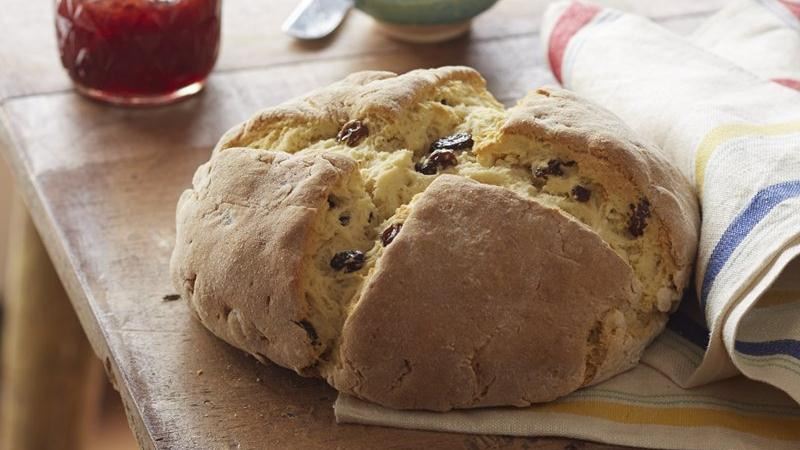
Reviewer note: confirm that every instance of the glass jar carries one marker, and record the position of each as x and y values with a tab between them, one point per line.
138	51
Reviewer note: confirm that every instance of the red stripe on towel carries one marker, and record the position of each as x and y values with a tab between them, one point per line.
793	7
788	82
571	21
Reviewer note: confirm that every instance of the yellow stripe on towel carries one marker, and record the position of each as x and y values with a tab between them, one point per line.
724	133
768	426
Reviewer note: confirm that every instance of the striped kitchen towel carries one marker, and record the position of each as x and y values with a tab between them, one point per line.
726	372
736	136
763	36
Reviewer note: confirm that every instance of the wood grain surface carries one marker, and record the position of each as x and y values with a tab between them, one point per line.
102	183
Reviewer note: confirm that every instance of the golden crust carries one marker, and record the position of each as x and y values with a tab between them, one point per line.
241	235
559	115
489	295
321	113
468	307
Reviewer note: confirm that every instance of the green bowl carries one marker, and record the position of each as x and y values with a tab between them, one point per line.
424	12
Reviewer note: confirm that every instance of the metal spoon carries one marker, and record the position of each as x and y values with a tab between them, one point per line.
315	19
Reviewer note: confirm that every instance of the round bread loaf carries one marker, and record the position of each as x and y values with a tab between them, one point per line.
419	246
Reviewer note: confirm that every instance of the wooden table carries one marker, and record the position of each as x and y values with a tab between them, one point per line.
101	185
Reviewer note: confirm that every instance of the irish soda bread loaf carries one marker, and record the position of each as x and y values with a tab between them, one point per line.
419	246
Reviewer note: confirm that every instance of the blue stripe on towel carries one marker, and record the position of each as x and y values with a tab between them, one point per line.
737	231
788	347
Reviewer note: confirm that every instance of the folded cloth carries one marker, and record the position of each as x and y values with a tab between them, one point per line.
763	36
736	136
732	133
639	408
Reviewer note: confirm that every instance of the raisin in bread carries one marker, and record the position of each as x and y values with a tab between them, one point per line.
417	245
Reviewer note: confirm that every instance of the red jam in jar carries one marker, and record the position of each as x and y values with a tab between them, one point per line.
138	51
